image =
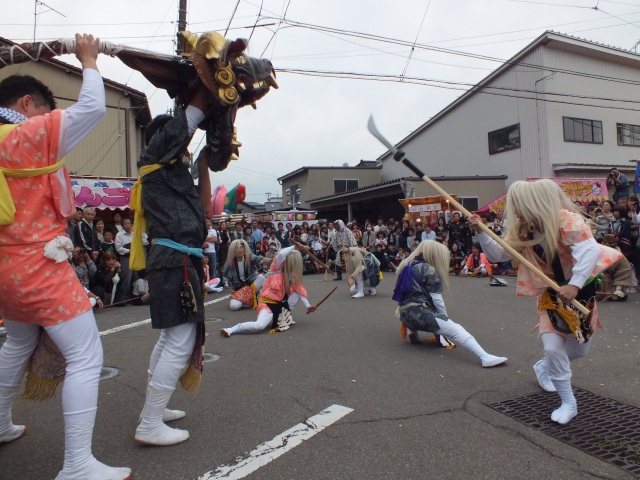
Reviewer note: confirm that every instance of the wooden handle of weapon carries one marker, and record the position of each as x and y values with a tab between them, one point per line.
301	247
502	243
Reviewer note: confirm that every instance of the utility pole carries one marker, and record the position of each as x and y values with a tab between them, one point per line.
182	22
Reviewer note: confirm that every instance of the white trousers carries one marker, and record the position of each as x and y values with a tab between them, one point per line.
294	298
171	354
265	317
452	330
79	342
559	351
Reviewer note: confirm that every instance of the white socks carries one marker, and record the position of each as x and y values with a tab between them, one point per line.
152	430
8	431
487	359
79	463
569	408
540	368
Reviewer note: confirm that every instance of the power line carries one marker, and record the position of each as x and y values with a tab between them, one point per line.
406	66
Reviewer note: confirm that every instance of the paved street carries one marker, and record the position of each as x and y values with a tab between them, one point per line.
418	411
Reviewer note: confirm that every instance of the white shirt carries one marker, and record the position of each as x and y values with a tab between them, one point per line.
123	238
212	246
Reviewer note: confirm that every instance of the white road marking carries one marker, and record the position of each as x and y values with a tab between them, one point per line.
148	320
279	445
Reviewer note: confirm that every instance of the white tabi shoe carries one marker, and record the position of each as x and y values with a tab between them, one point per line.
544	381
152	430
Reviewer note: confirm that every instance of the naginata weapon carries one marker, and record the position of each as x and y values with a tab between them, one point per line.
399	156
234	79
325	298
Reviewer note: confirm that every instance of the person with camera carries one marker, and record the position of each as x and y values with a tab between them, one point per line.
618	181
83	265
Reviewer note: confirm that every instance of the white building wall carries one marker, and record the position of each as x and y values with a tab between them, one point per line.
456	144
609	153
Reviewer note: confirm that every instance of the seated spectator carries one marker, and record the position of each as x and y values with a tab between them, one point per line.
457	259
94	300
477	264
401	255
381	239
141	288
317	246
380	255
107	278
83	265
427	233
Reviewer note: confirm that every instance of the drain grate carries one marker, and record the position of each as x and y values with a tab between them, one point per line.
604	428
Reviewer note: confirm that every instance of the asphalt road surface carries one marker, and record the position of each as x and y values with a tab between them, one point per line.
390	410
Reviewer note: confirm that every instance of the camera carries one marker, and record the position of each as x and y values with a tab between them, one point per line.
82	251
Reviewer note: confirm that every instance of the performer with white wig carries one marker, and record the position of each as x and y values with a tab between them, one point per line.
364	270
547	229
283	278
419	285
240	270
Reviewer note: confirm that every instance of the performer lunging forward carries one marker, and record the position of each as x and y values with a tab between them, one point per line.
43	291
545	225
419	293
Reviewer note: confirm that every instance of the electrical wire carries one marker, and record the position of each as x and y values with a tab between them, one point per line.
413	47
231	19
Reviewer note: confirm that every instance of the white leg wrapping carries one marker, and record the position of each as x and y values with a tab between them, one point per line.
556	351
569	407
21	340
457	334
235	304
265	317
79	342
178	346
359	286
540	369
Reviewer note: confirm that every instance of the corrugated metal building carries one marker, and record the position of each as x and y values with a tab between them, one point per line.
113	148
561	107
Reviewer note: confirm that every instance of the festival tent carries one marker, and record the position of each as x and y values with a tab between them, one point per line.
583	190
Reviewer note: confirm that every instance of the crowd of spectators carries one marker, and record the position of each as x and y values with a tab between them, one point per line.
102	250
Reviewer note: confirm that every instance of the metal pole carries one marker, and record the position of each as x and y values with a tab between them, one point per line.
182	22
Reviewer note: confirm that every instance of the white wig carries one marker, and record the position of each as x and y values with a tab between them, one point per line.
434	253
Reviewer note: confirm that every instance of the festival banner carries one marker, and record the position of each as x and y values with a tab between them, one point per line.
102	193
583	190
636	181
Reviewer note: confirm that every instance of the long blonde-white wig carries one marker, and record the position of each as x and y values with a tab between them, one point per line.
292	270
231	254
355	260
434	253
535	207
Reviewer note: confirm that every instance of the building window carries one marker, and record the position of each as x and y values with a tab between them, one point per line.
470	203
344	185
628	135
504	139
581	130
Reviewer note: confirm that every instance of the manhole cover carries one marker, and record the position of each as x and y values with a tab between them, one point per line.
108	373
210	357
213	319
604	428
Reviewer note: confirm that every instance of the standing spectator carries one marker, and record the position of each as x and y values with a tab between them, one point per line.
85	235
621	227
455	230
282	236
248	237
123	247
83	266
117	221
72	222
442	231
223	246
410	238
369	238
618	181
258	233
237	233
380	226
210	246
98	225
108	245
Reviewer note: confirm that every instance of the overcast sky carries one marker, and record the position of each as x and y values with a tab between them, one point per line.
313	121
